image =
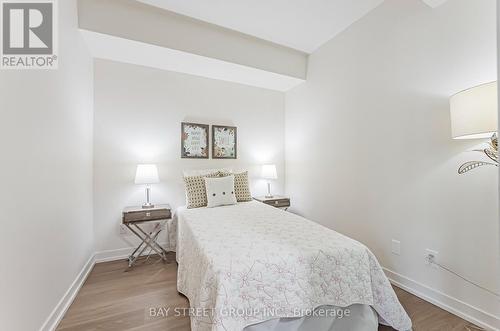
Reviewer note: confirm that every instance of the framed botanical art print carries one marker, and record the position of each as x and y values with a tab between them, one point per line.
194	141
224	142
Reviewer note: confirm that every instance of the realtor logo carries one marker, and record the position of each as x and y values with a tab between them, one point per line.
29	34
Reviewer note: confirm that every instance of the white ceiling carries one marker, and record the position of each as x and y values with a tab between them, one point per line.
300	24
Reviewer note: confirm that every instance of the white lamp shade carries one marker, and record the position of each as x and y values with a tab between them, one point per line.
146	174
474	112
269	171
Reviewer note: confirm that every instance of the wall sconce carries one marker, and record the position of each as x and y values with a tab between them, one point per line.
474	115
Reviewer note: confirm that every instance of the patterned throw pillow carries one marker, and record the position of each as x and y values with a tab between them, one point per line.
241	187
196	193
204	172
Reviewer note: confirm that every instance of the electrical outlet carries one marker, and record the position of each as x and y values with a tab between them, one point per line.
431	256
396	247
123	229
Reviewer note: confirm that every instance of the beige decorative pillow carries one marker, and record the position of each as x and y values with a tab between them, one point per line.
196	193
241	187
204	172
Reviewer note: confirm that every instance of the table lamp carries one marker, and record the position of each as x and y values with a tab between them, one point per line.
269	172
474	115
147	174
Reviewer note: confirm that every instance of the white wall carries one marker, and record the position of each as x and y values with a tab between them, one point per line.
46	180
369	150
498	75
138	114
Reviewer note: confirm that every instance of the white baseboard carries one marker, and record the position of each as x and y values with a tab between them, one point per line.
113	255
444	301
118	254
62	306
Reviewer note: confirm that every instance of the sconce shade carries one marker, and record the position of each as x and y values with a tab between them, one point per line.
146	174
474	112
269	171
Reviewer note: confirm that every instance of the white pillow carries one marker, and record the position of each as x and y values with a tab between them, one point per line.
220	191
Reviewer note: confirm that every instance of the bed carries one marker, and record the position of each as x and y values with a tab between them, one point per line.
254	267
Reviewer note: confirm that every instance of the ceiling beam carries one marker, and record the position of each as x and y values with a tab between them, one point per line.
136	21
434	3
104	46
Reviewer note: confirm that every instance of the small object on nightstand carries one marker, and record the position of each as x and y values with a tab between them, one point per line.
147	174
269	173
133	217
276	201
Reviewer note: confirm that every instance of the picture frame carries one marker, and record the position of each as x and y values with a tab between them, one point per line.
224	142
195	142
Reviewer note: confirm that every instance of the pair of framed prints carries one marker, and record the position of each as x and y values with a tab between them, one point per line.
195	143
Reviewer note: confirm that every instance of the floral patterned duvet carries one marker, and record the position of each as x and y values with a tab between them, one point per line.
247	263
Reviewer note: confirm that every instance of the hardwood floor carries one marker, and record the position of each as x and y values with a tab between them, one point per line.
112	299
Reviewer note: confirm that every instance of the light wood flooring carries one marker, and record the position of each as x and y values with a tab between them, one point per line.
112	299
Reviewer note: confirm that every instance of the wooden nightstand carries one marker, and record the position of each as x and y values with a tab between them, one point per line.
133	217
276	201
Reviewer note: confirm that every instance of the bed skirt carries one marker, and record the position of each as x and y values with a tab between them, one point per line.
359	318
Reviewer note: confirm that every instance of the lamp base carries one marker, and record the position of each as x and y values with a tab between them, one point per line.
269	195
147	204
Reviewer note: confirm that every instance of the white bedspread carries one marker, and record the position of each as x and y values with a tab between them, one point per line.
250	262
